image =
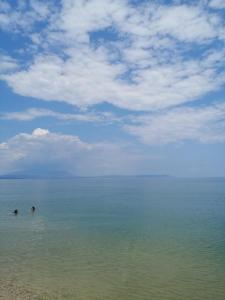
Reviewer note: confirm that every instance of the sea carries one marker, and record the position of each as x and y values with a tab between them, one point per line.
113	238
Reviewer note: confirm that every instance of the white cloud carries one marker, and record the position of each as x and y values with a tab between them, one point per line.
150	57
45	153
7	64
23	15
87	79
34	113
205	125
4	6
217	4
148	64
197	24
78	18
40	132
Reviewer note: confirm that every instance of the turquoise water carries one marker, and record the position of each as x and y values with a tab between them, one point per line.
113	238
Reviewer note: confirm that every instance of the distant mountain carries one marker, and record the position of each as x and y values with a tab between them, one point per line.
54	175
34	175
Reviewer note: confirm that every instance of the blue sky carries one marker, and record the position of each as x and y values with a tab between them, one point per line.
112	87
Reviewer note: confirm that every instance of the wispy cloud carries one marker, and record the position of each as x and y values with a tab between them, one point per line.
35	113
220	4
7	64
205	125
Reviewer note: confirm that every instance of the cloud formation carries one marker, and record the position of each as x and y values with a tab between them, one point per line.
145	57
35	113
23	15
46	153
219	4
7	64
204	125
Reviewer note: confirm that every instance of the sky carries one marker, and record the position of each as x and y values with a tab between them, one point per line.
112	87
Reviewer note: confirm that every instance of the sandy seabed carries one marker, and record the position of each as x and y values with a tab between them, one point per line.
9	290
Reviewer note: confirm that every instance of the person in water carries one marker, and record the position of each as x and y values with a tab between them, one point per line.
15	212
33	208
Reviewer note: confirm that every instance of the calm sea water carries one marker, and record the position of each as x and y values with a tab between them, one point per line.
113	238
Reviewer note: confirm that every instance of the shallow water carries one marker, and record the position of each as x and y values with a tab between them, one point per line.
113	238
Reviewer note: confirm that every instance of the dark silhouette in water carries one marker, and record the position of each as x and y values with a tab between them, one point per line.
33	208
15	212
